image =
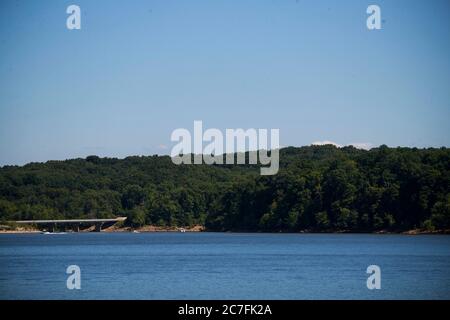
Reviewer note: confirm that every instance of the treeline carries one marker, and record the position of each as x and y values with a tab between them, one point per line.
318	188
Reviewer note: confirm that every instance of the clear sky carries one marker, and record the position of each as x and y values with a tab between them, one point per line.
137	70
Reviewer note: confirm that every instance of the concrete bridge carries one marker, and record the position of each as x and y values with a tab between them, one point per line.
74	224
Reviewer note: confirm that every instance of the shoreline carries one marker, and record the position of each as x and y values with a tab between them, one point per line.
199	228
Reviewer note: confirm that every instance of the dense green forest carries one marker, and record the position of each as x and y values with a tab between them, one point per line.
318	188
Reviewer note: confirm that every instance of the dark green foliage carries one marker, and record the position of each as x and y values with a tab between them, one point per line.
318	188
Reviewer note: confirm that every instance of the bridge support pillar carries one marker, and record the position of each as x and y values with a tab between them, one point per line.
98	227
76	227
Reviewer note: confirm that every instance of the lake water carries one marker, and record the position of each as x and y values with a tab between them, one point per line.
224	266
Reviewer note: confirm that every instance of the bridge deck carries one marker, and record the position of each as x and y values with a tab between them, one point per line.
70	221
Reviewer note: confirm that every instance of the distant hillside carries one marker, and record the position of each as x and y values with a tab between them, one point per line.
318	188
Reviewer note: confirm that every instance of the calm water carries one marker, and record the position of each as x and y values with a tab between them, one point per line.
223	266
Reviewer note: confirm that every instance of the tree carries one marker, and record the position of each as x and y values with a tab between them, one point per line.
132	196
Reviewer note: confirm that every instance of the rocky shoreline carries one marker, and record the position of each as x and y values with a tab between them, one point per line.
199	228
113	229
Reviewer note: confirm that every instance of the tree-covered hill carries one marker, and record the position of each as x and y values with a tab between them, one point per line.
318	188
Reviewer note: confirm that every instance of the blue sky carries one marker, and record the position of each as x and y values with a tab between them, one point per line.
137	70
